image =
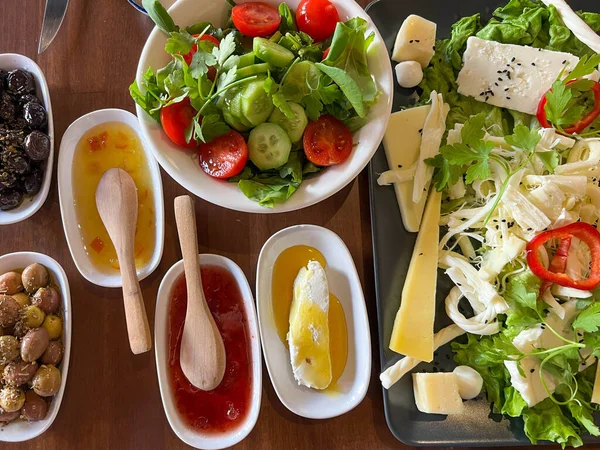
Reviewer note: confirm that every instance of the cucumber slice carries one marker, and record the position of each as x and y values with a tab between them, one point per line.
301	75
233	121
293	127
257	106
235	108
246	59
269	146
254	69
271	52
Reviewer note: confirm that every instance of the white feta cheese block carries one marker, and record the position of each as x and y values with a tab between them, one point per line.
530	386
437	393
510	76
415	41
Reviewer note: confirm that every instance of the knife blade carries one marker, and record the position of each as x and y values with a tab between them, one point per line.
53	17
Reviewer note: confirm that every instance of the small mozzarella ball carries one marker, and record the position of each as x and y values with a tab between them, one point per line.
469	382
409	74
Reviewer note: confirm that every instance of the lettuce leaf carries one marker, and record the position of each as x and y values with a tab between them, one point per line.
547	422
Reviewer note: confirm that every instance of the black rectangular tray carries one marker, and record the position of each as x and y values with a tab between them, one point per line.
392	250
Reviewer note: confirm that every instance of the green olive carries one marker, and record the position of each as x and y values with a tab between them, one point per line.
53	324
11	399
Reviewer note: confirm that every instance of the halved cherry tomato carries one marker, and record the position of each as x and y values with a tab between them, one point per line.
225	156
327	141
325	54
212	72
317	18
255	18
175	119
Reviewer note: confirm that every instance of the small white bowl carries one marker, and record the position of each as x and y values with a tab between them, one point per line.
345	284
11	61
196	438
65	193
179	164
21	430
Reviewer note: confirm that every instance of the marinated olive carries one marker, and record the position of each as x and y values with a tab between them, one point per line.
53	354
53	325
11	398
10	283
9	311
37	145
29	98
35	407
22	299
34	344
8	108
7	180
19	372
47	299
6	417
34	277
20	81
31	317
10	200
32	183
35	115
9	349
46	381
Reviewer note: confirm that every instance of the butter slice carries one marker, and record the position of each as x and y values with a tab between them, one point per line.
308	337
437	393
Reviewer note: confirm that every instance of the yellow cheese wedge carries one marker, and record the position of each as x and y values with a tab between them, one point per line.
437	393
415	41
402	145
413	328
596	391
308	337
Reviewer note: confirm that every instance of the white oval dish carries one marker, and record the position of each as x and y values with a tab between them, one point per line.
65	193
185	171
183	431
29	206
344	283
21	430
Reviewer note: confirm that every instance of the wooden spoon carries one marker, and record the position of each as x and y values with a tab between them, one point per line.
202	352
117	203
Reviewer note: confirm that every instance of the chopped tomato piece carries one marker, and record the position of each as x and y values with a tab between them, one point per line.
225	156
175	119
256	18
327	141
97	244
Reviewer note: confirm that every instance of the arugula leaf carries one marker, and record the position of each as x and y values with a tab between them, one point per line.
288	23
180	43
347	85
160	16
588	319
524	138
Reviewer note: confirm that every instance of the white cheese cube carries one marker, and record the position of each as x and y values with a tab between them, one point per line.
437	393
415	41
510	76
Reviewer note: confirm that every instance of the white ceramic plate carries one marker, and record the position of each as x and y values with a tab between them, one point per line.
21	430
188	435
65	192
180	165
345	284
10	61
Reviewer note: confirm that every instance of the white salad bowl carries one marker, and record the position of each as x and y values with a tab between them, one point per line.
344	283
65	193
21	430
196	438
184	169
30	205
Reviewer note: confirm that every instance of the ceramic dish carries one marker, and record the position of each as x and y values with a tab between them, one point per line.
21	430
186	172
192	437
345	284
65	190
29	206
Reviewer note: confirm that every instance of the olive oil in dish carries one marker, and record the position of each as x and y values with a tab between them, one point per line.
103	147
285	271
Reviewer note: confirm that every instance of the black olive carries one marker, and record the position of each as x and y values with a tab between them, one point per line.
37	145
29	98
34	114
20	81
33	181
10	200
8	109
19	124
14	160
7	180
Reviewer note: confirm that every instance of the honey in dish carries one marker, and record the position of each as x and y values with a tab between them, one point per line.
285	270
106	146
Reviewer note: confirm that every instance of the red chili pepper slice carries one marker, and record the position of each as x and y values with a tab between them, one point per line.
558	263
581	124
583	231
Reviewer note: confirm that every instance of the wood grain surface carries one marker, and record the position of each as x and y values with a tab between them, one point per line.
112	399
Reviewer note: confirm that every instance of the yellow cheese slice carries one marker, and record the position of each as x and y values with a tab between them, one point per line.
402	145
413	328
437	393
596	391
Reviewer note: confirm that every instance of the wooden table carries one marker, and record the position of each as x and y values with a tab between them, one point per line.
112	399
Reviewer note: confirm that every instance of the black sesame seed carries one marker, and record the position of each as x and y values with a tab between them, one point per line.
529	229
485	321
583	363
565	61
518	64
508	75
539	49
513	59
507	98
492	92
496	84
420	254
543	327
399	166
424	190
533	64
506	89
503	220
499	71
434	48
487	98
532	370
499	79
416	40
411	41
420	130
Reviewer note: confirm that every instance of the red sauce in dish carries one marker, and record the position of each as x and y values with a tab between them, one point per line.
226	406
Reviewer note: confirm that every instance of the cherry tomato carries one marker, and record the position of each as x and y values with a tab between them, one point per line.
327	141
317	18
175	119
225	156
255	18
325	54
